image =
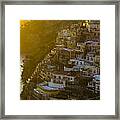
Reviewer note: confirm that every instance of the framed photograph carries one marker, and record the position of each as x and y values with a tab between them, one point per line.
60	59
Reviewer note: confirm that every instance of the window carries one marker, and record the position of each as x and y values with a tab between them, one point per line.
94	84
90	83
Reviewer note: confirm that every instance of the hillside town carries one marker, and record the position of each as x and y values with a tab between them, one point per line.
71	70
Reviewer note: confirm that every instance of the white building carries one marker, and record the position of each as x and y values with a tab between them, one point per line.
94	85
77	62
90	57
60	79
68	69
93	69
73	68
81	47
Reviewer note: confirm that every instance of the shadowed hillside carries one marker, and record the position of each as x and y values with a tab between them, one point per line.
37	38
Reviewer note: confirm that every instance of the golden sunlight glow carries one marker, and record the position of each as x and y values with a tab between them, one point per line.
23	23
